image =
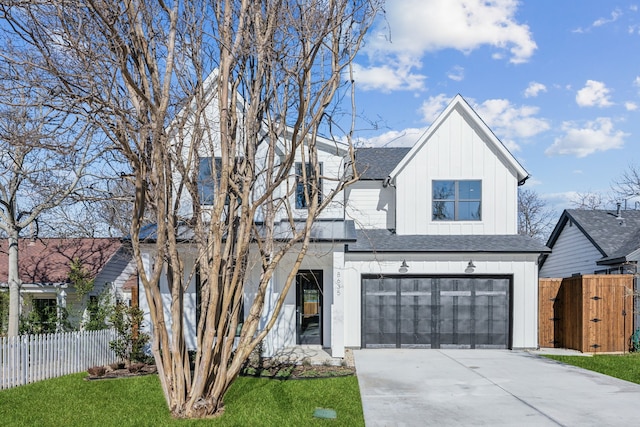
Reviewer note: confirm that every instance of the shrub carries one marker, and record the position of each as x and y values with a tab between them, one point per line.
130	341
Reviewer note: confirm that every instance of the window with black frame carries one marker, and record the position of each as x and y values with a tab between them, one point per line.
306	181
207	184
457	200
206	181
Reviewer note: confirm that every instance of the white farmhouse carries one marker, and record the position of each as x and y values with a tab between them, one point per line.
422	252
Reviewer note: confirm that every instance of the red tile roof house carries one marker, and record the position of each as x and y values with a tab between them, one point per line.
45	265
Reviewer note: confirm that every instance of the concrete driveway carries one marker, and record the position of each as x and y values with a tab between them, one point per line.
488	388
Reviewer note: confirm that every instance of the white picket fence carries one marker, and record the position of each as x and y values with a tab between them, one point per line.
29	358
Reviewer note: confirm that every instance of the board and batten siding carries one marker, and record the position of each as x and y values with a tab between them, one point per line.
522	267
370	205
456	151
572	253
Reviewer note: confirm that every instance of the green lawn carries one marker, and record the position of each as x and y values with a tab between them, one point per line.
623	366
72	401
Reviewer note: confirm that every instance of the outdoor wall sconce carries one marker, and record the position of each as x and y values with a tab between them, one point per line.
404	267
470	267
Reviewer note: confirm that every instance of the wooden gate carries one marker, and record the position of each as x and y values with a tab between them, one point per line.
591	313
547	320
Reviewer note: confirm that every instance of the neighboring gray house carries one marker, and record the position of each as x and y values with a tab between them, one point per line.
593	242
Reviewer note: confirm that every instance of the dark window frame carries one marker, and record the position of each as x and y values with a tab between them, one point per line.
207	185
300	199
456	201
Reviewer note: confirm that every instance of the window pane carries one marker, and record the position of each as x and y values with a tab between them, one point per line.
443	211
444	190
469	190
468	211
301	202
206	184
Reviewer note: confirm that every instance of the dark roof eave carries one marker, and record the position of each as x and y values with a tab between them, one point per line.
612	261
445	251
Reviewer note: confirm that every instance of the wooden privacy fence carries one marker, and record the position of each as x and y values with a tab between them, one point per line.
29	358
591	313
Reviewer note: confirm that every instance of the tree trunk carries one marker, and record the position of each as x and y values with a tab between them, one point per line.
14	285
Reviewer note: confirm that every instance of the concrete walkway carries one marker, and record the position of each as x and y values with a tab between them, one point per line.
488	388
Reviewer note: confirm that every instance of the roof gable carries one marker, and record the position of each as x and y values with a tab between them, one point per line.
460	104
615	237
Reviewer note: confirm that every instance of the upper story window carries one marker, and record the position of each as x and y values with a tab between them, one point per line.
457	200
301	200
206	181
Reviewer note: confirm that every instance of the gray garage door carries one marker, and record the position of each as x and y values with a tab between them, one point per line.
436	312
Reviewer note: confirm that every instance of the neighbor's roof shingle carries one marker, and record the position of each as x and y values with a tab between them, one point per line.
48	260
612	237
377	163
386	241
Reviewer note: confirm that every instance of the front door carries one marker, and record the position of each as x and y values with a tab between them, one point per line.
309	306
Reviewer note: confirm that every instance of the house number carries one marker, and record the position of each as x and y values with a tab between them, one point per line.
338	284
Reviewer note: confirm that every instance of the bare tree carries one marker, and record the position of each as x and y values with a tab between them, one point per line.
627	186
591	200
169	83
104	209
43	156
535	218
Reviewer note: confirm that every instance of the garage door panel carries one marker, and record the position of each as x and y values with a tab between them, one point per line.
444	312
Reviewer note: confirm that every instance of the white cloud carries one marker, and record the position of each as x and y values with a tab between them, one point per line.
432	107
419	26
534	89
510	122
603	21
393	138
630	106
594	93
456	73
617	13
387	78
581	141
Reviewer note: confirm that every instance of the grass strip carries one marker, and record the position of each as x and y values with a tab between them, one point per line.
623	366
138	401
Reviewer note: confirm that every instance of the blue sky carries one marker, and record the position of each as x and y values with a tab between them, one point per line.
558	81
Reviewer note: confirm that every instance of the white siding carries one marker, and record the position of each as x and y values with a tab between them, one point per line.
283	334
523	268
456	151
370	205
572	253
189	301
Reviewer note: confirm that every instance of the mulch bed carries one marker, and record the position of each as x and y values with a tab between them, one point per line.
280	371
287	371
119	371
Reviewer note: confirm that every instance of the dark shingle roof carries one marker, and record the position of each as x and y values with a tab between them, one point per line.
377	163
615	239
386	241
321	231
